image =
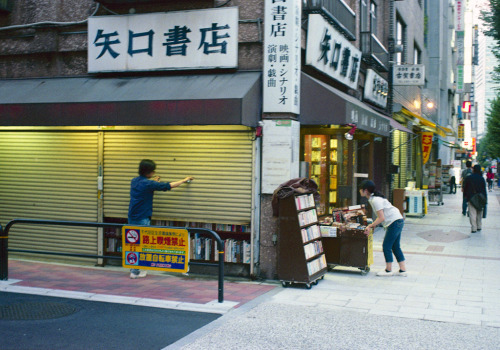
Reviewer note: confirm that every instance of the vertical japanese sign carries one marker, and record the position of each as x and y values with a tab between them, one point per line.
164	41
155	248
281	83
332	53
459	15
426	146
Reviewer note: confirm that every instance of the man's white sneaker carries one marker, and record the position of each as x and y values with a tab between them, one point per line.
384	273
402	274
140	275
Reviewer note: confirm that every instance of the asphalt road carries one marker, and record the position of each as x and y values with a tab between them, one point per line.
90	325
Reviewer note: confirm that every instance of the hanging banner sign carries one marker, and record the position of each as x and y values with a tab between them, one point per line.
376	89
426	146
332	53
459	15
281	79
155	248
198	39
408	74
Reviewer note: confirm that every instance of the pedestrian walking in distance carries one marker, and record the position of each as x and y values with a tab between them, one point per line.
453	185
475	184
490	177
466	172
393	223
142	189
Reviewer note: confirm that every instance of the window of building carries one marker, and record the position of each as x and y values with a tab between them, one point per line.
373	17
417	55
364	22
400	40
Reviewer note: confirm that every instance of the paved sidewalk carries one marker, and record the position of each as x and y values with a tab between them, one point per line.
453	273
112	284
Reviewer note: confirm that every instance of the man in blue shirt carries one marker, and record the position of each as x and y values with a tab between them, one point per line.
141	198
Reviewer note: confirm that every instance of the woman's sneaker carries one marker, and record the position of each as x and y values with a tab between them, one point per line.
384	273
141	274
402	274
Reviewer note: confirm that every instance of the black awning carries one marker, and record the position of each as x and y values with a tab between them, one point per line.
222	99
322	104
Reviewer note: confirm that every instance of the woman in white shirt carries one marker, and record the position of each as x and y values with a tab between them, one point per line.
393	223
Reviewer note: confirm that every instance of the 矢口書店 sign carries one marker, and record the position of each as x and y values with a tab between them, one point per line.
164	41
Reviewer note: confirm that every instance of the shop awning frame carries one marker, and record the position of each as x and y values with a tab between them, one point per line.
322	104
430	125
212	99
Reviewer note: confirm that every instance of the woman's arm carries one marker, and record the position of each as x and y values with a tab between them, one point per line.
379	220
180	182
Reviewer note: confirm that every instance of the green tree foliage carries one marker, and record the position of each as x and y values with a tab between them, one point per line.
490	144
492	21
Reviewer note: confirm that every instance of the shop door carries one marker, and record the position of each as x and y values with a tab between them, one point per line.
53	176
221	163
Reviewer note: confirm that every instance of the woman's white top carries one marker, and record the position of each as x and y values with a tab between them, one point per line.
391	213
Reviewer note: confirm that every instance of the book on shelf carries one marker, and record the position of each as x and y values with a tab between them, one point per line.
312	249
310	233
235	251
316	265
307	217
304	201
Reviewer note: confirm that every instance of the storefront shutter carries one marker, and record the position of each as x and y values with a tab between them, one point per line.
53	176
400	157
221	163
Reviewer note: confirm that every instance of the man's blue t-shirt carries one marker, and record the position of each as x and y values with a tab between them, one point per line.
141	197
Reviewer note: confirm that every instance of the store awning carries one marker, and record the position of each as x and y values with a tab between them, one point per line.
221	99
397	126
321	104
430	125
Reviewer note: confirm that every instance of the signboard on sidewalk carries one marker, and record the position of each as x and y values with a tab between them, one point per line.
155	248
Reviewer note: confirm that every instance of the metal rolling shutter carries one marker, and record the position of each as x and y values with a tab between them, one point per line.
49	175
221	163
400	156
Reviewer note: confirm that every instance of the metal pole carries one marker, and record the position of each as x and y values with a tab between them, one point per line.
4	257
220	248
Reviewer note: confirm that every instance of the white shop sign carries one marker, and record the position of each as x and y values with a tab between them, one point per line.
376	89
280	153
331	53
409	74
164	41
281	79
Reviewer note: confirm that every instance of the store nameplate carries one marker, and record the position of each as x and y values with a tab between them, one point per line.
200	39
376	89
281	79
409	74
366	120
331	53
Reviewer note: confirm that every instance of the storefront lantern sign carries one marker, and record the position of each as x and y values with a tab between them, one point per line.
426	146
376	89
281	79
198	39
332	53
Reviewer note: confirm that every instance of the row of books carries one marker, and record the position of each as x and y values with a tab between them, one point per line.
308	217
316	265
310	233
313	248
235	251
114	245
210	226
304	201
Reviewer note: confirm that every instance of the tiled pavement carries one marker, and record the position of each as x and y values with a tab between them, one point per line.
453	273
114	285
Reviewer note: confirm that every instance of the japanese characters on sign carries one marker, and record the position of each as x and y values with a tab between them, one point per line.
164	41
460	79
155	248
331	53
409	74
366	120
459	15
426	146
376	88
281	79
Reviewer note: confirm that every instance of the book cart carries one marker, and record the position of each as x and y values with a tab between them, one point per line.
345	243
300	250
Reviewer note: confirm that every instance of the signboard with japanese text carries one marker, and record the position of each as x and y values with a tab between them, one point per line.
376	89
460	45
366	120
164	41
155	248
281	78
460	79
426	146
467	141
460	15
332	53
409	74
280	153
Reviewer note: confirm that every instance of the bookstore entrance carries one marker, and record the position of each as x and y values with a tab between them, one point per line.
69	155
